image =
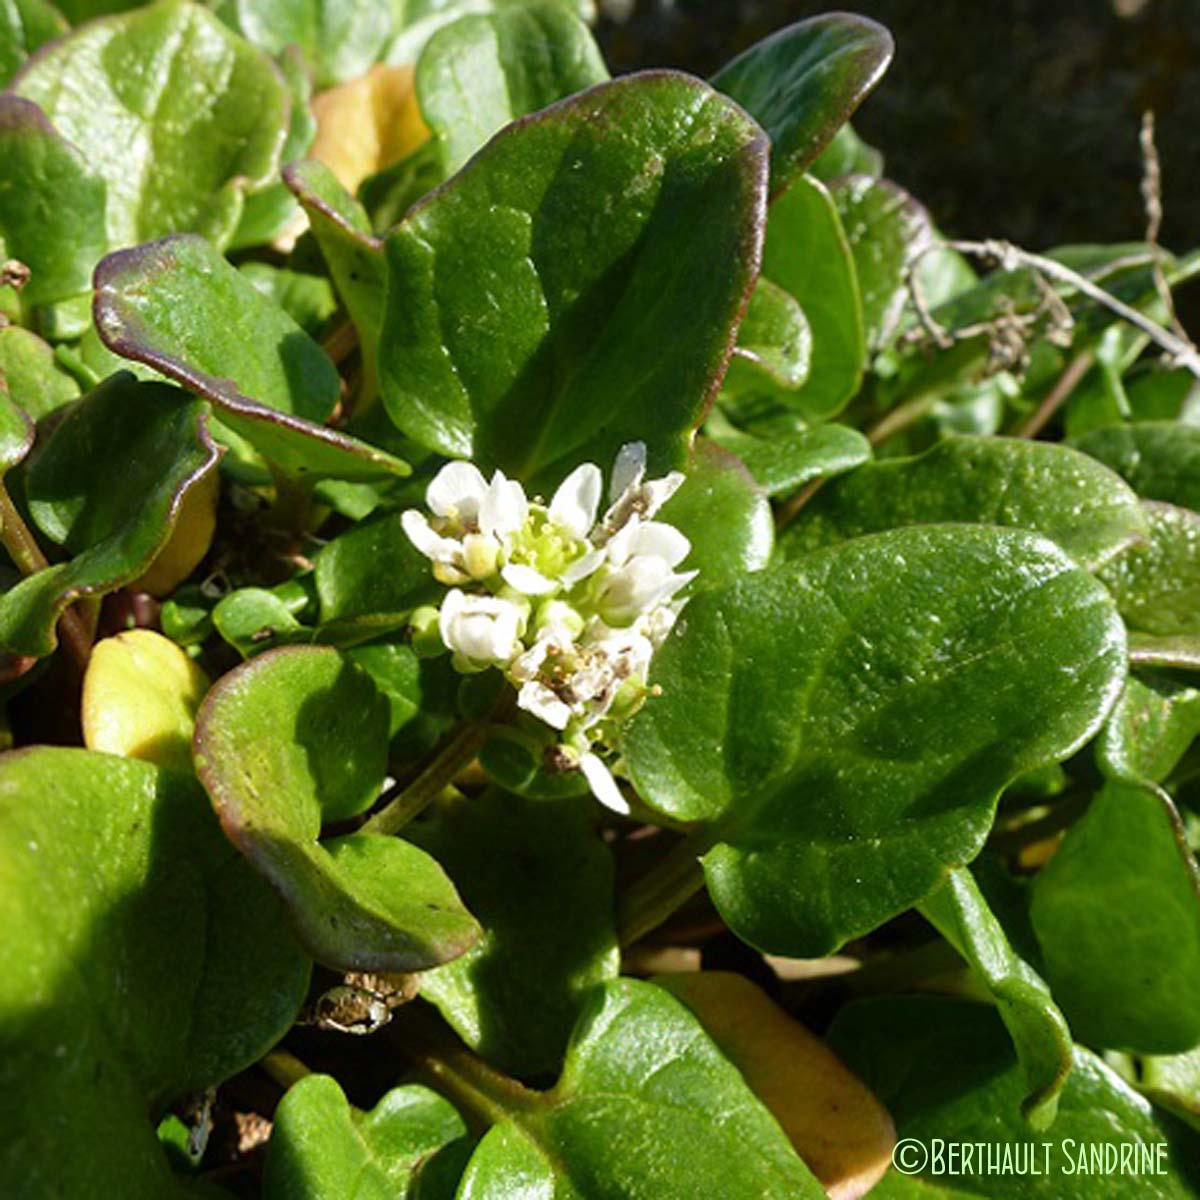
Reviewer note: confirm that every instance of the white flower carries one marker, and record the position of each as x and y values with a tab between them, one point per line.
483	631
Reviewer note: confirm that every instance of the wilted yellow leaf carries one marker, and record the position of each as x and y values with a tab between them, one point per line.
836	1125
140	695
189	543
368	124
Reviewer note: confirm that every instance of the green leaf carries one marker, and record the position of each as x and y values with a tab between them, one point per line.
24	26
485	70
1174	1083
540	880
724	514
322	1149
172	304
1039	486
783	463
31	374
253	620
51	209
16	433
1177	652
774	345
108	487
568	291
298	737
808	255
1038	1030
847	154
887	229
802	84
1117	913
373	571
1156	582
180	117
641	1074
945	1070
340	39
116	995
272	213
1152	726
1160	459
308	299
845	723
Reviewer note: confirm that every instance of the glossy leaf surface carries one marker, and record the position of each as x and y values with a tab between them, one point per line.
1160	459
784	462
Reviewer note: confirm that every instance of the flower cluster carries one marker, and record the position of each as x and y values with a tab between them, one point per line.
570	605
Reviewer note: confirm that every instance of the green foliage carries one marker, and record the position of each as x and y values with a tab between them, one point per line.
811	584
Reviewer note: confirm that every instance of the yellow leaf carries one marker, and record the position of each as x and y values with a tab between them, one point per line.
836	1125
190	540
368	124
140	695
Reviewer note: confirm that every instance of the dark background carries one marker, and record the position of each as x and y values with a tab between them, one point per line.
1012	118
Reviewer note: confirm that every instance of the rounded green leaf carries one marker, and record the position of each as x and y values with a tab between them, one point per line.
845	723
1150	729
322	1149
642	1075
1039	486
808	255
298	737
116	995
1117	913
774	345
540	880
177	115
108	487
802	83
571	290
784	462
178	306
484	70
29	373
1160	459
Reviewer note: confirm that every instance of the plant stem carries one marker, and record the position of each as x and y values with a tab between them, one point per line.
899	418
1067	382
27	555
664	889
434	781
286	1069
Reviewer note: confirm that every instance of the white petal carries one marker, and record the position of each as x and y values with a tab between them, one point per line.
538	699
577	499
427	540
603	785
452	605
618	546
526	666
504	506
581	568
457	490
628	470
657	492
659	540
526	580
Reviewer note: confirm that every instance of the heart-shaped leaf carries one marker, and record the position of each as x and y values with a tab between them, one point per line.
1160	459
539	879
724	514
1156	582
1150	730
840	1130
52	207
299	737
948	1075
108	487
845	723
172	304
179	116
24	26
774	347
411	1144
808	255
802	83
29	373
486	69
635	1051
1040	486
116	995
1038	1030
783	463
887	230
558	297
1117	913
